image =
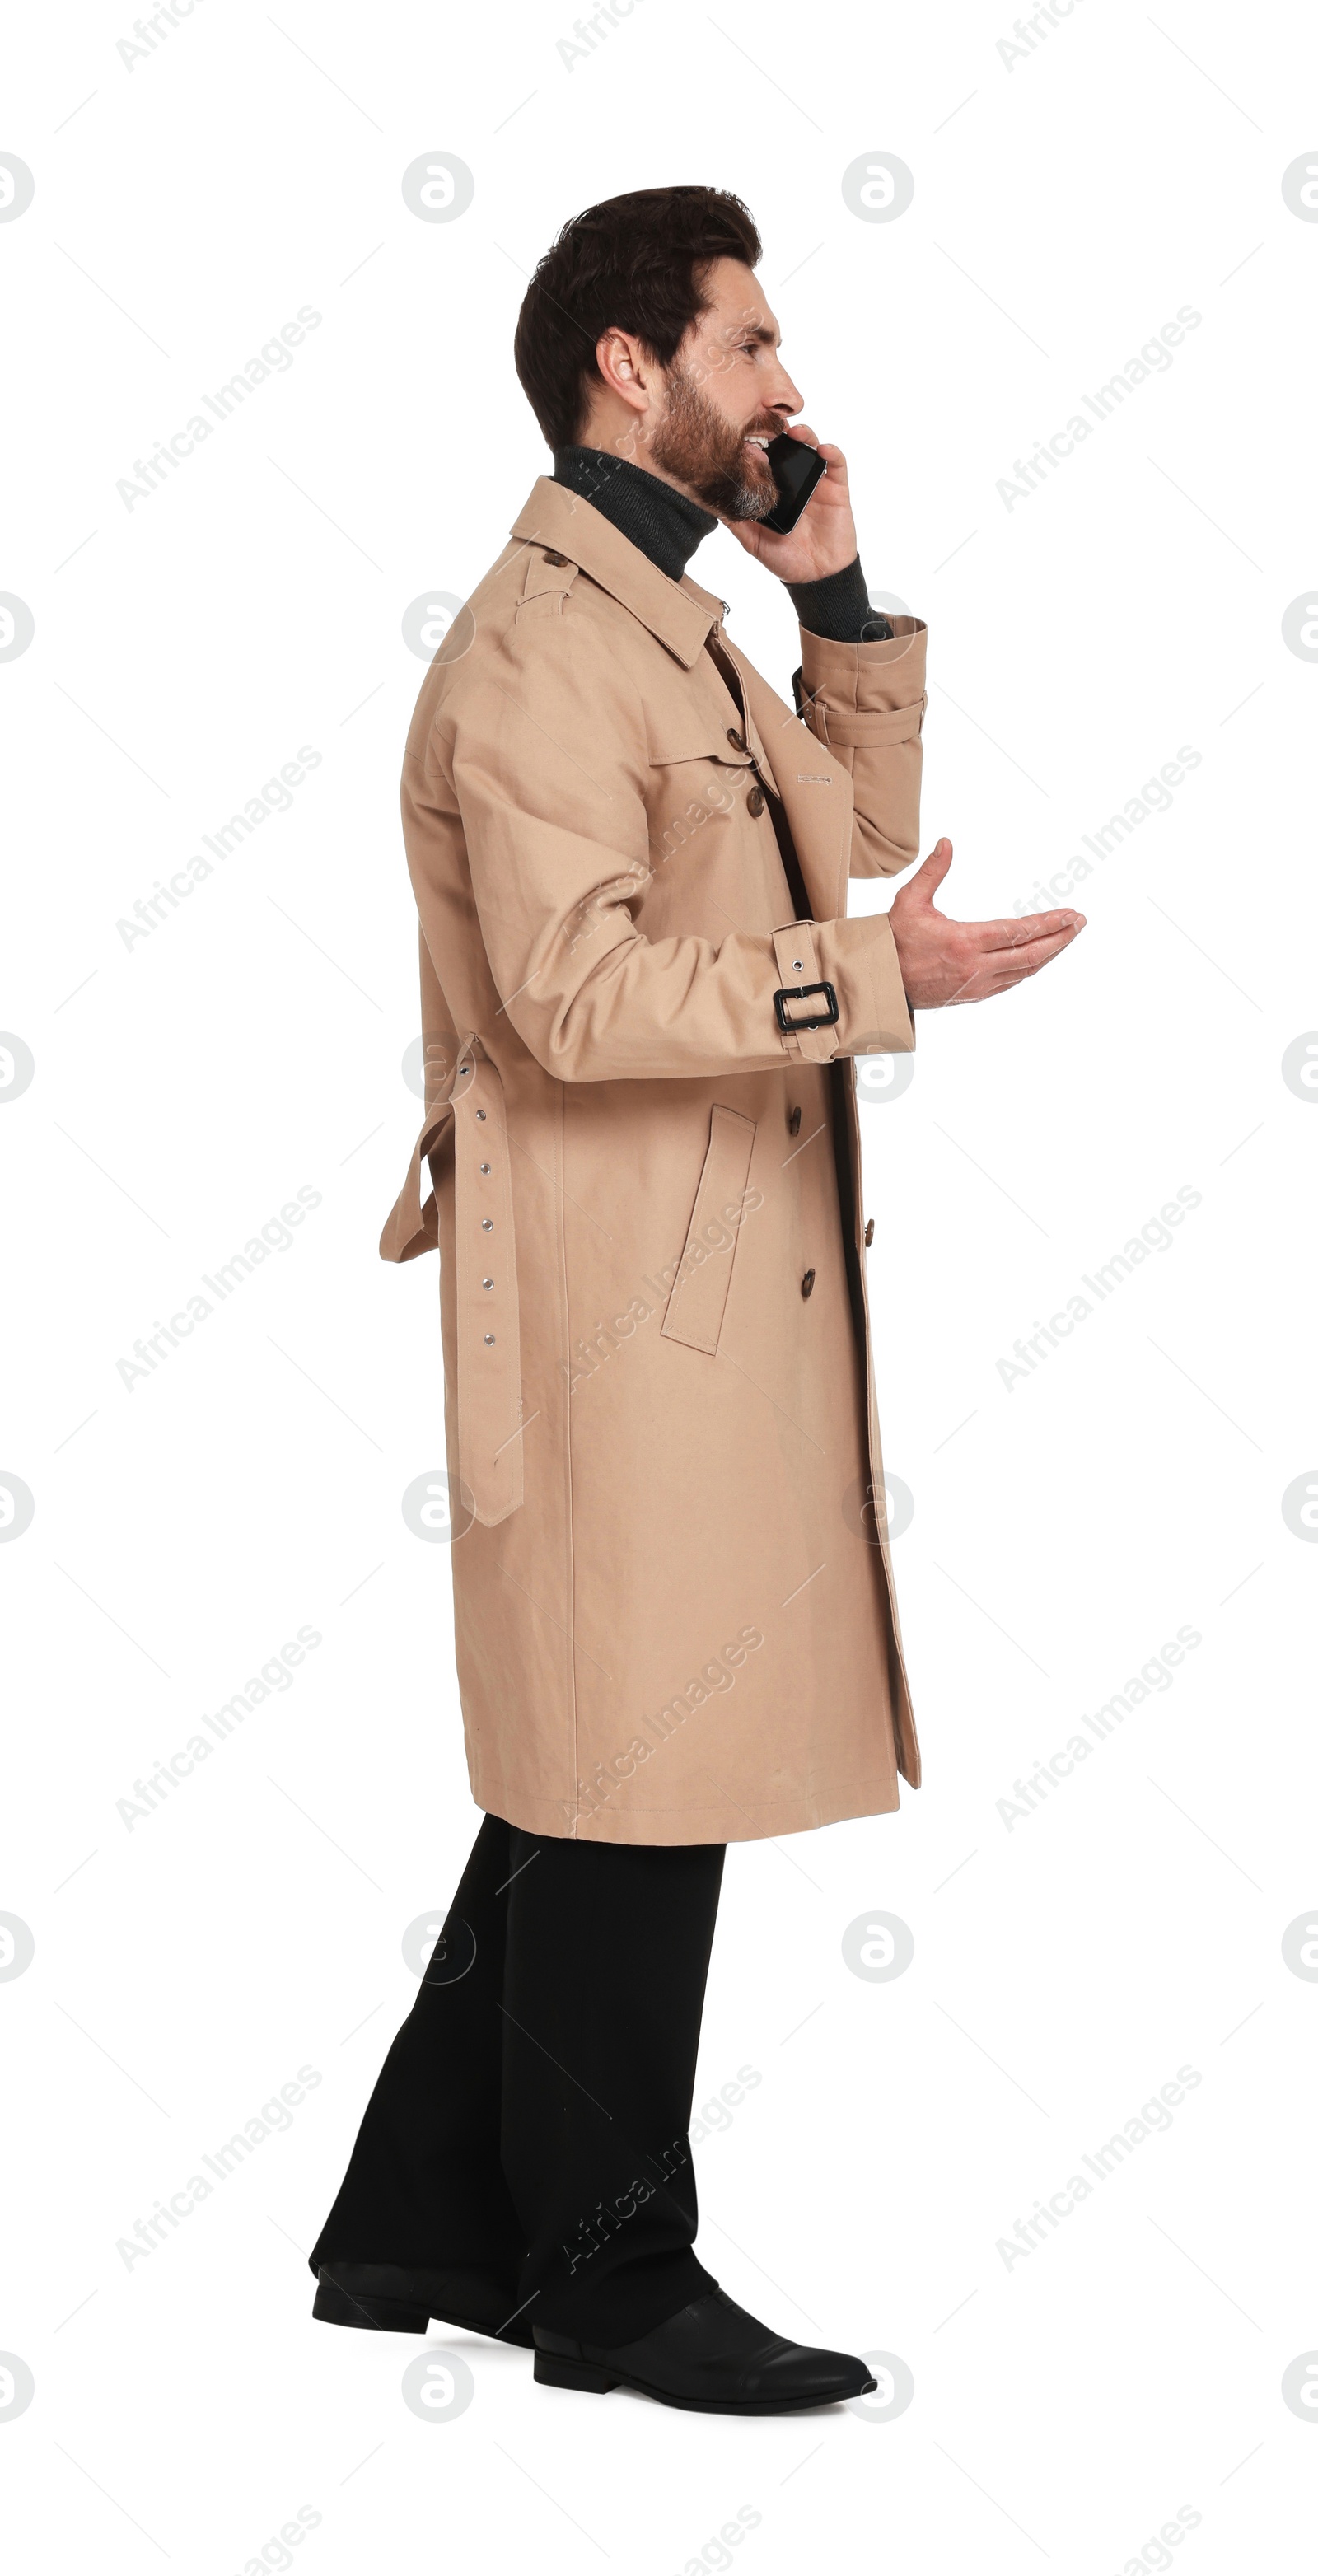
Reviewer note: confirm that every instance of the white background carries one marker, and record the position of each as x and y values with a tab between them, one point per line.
1066	205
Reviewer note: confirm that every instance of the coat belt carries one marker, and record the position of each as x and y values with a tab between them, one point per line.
489	1387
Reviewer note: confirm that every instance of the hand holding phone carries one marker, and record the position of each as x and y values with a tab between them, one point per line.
796	469
795	542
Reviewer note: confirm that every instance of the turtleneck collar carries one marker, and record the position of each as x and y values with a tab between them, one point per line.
661	521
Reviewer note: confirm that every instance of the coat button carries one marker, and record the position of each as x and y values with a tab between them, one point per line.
793	1122
807	1283
554	559
869	1234
755	802
737	738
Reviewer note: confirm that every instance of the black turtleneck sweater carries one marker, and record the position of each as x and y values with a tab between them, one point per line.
668	528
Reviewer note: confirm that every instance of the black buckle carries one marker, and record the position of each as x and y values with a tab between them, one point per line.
798	993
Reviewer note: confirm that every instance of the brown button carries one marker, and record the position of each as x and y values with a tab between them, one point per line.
736	738
554	559
869	1234
793	1122
807	1283
755	802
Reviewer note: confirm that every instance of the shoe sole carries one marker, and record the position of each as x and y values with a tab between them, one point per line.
336	2307
558	2370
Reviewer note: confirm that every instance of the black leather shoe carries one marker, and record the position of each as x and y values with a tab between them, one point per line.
711	2358
385	2296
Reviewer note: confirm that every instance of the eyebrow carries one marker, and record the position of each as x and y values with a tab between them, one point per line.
760	331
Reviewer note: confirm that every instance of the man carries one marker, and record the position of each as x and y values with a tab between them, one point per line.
673	1597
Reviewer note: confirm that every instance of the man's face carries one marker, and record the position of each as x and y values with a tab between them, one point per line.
726	395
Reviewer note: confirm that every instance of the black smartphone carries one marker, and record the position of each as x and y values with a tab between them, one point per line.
796	470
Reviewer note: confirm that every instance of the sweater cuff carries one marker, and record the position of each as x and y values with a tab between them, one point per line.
838	608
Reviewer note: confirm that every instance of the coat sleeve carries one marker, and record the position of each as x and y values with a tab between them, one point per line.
546	742
867	702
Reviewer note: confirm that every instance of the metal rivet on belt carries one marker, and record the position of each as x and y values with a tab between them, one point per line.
487	1283
798	963
480	1113
489	1337
486	1169
487	1225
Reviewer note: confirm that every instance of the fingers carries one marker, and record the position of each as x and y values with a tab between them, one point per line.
932	870
1026	959
834	461
1019	932
985	971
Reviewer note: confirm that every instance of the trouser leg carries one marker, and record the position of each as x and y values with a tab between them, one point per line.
607	1955
425	2186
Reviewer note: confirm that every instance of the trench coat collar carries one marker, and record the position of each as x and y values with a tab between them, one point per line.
679	614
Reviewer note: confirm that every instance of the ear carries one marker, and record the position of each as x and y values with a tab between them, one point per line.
624	369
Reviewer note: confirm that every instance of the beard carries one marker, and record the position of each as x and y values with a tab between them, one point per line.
698	447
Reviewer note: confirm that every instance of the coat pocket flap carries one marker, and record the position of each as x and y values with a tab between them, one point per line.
694	1314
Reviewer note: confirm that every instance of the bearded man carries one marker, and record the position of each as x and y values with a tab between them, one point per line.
642	1001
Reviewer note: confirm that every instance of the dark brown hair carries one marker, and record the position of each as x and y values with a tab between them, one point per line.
636	263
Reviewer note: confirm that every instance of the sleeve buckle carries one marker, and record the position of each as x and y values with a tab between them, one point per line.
827	1019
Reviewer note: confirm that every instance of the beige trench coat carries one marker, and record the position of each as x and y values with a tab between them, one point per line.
673	1596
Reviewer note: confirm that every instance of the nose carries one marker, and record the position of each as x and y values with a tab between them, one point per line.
785	399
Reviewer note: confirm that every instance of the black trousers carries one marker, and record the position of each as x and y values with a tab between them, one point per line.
529	2126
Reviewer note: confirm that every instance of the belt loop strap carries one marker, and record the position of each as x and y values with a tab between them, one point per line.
489	1389
489	1377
